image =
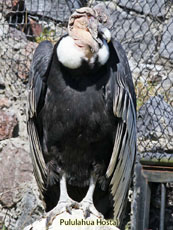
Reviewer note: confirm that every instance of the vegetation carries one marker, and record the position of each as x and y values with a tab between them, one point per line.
144	91
46	35
4	227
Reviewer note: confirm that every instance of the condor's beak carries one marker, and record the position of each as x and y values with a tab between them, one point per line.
106	34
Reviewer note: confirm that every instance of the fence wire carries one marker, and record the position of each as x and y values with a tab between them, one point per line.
144	28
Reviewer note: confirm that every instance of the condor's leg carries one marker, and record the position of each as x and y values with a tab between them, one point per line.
65	203
87	203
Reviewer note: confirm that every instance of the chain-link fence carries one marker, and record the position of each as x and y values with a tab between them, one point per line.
143	27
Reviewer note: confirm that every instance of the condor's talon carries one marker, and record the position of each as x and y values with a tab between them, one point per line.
65	204
73	204
88	208
62	206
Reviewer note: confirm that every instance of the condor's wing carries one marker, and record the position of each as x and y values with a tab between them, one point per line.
123	98
37	88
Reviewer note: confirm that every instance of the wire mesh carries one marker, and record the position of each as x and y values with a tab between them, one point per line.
144	28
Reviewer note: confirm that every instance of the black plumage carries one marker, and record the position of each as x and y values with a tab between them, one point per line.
82	122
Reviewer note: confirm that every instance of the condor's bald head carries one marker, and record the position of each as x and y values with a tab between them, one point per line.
86	42
83	28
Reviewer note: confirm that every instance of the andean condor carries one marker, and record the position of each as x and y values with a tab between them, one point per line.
82	119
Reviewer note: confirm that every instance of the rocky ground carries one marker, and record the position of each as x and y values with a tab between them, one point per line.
145	32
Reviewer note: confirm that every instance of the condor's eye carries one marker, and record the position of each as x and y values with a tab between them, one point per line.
90	16
92	50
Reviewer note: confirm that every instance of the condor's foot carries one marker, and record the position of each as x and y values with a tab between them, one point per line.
62	206
87	204
88	208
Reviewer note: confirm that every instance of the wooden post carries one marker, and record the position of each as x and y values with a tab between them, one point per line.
141	201
162	208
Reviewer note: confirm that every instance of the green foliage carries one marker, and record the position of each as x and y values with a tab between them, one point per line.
46	35
4	227
144	92
128	226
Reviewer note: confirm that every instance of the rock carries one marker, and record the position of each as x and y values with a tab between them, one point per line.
166	46
30	207
4	103
105	14
23	57
2	83
50	8
8	124
135	35
16	55
17	35
155	126
165	87
13	173
75	221
148	7
3	29
9	3
25	211
5	6
19	198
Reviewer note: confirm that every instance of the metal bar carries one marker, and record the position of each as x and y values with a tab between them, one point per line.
157	167
162	209
158	176
147	200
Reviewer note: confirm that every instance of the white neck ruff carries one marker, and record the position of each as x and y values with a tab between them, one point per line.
71	57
